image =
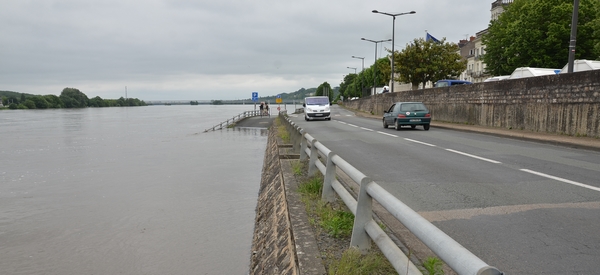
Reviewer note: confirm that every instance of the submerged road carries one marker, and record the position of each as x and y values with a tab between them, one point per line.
521	206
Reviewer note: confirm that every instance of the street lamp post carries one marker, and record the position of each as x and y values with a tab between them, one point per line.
363	61
393	36
361	71
375	62
352	69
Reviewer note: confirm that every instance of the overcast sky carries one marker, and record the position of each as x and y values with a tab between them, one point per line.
209	49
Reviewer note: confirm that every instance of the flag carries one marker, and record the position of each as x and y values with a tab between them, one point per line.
430	37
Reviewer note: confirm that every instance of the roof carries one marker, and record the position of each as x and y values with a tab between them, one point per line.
532	72
581	65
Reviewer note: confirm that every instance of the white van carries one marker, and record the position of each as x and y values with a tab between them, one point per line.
317	107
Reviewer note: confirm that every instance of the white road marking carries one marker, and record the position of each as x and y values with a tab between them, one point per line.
473	156
419	142
383	133
561	179
342	122
352	125
366	129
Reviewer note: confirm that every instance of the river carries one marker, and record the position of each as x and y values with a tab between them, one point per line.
136	190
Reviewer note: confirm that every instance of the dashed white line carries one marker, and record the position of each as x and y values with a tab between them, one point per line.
352	125
366	129
419	142
561	179
473	156
384	133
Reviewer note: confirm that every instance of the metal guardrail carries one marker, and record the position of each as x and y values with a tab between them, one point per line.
234	119
365	228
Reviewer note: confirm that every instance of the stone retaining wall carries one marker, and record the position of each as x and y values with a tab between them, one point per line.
273	249
561	104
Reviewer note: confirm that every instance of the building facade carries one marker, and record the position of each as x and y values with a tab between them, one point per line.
473	49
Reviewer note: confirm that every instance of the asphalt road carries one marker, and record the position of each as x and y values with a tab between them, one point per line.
522	206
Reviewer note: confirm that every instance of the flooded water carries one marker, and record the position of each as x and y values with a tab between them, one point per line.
138	190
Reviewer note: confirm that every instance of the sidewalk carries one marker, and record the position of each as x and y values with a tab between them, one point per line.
562	140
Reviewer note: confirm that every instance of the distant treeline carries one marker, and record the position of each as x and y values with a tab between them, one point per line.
69	98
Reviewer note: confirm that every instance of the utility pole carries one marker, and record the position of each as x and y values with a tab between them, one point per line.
573	35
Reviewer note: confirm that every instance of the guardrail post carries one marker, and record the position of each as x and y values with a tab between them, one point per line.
303	146
364	213
297	139
328	194
314	155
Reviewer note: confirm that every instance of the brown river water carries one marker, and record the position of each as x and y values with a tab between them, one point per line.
139	190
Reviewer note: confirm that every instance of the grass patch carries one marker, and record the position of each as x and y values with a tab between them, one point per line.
336	220
354	263
297	167
281	130
312	187
433	266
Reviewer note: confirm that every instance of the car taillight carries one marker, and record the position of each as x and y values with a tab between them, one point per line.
428	115
401	116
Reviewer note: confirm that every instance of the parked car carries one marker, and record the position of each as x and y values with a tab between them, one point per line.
407	114
451	82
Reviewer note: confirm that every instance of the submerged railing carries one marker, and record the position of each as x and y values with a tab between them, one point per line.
233	120
365	228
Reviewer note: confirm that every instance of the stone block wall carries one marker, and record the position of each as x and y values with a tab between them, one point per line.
562	104
273	248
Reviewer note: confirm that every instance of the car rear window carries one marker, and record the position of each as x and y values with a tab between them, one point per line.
317	101
412	107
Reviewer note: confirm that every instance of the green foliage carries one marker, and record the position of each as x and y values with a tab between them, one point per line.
423	61
325	89
433	266
194	102
73	98
536	33
216	102
69	98
354	263
312	186
338	223
53	101
347	87
297	167
40	102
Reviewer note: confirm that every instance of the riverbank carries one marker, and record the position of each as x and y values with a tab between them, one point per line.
284	242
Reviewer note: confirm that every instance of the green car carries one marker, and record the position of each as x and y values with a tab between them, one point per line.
407	114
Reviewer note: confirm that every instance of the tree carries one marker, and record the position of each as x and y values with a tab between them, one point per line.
423	61
346	87
54	101
40	102
73	98
325	89
536	33
29	104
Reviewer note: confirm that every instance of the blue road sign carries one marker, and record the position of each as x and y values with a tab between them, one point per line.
254	96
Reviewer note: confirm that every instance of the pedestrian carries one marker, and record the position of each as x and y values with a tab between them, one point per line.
385	90
262	107
267	108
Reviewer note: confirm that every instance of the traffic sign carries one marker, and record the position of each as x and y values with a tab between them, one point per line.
254	96
278	99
